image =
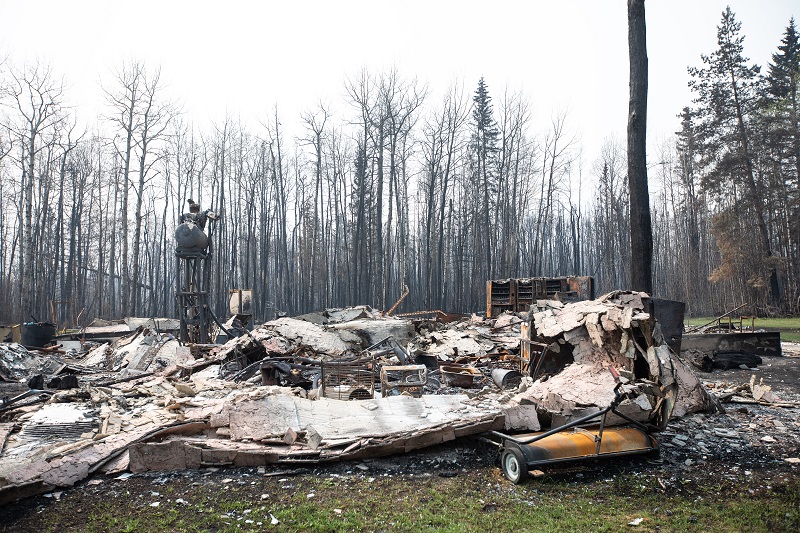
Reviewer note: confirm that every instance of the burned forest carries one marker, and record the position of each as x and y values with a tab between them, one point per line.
393	186
411	280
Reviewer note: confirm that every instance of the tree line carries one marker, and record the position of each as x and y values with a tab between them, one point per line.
396	188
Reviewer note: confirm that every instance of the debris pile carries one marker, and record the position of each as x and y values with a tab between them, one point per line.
744	437
17	363
147	402
752	392
584	338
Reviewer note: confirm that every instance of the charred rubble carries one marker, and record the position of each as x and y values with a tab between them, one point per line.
335	385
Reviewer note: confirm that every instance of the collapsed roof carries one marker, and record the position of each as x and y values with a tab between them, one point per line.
147	402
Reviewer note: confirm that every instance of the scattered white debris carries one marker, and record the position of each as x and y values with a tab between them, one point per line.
119	420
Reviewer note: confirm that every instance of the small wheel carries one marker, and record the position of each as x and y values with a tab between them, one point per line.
514	466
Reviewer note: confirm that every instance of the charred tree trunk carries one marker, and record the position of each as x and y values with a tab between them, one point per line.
641	227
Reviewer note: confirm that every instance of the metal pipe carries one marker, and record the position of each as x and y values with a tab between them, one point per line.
398	302
223	328
559	429
368	348
698	328
33	392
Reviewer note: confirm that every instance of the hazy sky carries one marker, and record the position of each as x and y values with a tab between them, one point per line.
244	57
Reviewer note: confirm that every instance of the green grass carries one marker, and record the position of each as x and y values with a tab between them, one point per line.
789	328
477	501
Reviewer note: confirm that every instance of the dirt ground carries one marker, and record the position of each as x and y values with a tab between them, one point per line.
781	373
746	447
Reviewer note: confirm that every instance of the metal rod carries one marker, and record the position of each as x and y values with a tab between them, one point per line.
398	302
600	435
696	328
559	429
33	392
223	328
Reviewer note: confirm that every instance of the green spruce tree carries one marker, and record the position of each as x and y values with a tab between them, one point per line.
783	107
727	92
781	129
484	143
784	71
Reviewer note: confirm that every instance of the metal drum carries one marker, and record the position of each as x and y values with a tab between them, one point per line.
37	334
190	238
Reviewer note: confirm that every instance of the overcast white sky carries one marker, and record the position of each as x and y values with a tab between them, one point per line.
243	57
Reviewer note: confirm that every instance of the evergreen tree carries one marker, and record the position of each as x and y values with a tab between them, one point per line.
782	107
727	98
727	90
484	141
785	67
686	148
781	125
483	116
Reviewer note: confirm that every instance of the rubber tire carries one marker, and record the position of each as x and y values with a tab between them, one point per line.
514	466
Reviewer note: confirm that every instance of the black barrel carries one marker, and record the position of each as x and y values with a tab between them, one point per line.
37	334
189	237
